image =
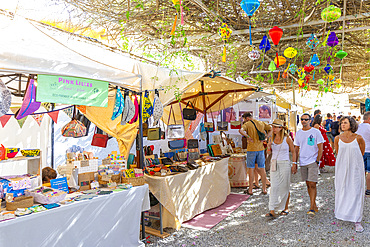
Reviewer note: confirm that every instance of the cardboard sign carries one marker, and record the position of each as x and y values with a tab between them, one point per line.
72	90
60	184
85	179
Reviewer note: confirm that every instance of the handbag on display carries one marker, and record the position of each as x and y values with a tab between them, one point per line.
189	113
222	126
145	129
175	131
182	156
236	125
193	155
74	128
29	104
5	99
157	108
177	144
100	138
154	134
193	143
84	120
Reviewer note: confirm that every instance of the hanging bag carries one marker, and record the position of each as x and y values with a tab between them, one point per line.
222	126
175	131
154	134
74	128
100	138
209	126
189	113
157	108
235	124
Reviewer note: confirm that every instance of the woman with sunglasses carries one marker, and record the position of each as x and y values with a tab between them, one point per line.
349	174
279	146
328	158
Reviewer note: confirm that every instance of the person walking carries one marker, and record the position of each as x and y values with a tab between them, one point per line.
327	158
364	131
308	144
349	174
279	145
255	132
327	125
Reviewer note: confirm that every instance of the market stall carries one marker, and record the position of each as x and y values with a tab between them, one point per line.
188	194
101	221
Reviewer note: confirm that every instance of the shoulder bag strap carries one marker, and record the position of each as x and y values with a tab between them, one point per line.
213	121
255	126
169	116
182	116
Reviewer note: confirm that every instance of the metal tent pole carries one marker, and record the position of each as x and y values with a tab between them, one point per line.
52	138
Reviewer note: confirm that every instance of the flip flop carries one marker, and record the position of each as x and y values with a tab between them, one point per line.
264	192
255	186
270	215
247	192
311	212
284	212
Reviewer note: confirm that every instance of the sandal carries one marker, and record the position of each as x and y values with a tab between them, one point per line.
247	192
311	212
270	215
284	212
255	186
264	192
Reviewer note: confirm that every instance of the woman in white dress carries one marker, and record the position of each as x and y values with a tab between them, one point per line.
349	174
280	168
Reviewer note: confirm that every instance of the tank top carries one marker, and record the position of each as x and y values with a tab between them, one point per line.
280	151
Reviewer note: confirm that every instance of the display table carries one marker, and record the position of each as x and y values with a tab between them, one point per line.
186	195
238	170
111	220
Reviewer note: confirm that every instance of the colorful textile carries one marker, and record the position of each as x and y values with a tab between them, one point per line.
118	104
148	107
327	158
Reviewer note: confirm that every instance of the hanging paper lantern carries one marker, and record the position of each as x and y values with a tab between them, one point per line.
309	68
272	66
254	55
281	61
341	54
312	41
178	6
249	7
320	81
275	35
315	60
225	32
290	52
308	78
332	40
331	13
293	68
265	44
328	69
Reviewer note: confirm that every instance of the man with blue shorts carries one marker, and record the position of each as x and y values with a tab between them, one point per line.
364	131
253	129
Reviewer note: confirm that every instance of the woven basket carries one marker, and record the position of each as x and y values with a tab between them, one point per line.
138	181
20	202
114	178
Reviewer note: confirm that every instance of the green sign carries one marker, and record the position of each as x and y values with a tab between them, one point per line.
71	90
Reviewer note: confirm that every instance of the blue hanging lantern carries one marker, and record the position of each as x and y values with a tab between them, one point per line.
264	47
328	69
249	7
315	60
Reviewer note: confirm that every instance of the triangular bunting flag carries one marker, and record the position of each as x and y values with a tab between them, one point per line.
38	118
47	106
54	115
69	112
14	109
4	119
21	121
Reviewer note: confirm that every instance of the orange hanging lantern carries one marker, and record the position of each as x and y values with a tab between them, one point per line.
178	6
275	34
225	32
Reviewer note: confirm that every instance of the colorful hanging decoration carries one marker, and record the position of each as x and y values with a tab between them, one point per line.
341	54
271	68
38	117
249	7
178	6
331	13
254	54
68	111
225	32
4	119
328	69
290	52
308	68
293	68
320	81
21	121
315	61
275	34
332	39
264	46
312	41
54	115
280	60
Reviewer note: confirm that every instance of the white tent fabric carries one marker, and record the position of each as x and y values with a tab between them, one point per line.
31	47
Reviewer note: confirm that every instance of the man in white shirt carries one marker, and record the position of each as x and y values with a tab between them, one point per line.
364	131
308	144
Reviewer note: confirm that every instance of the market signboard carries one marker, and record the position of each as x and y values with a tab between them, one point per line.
71	90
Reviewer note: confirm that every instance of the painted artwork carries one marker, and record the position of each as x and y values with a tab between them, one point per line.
229	114
264	112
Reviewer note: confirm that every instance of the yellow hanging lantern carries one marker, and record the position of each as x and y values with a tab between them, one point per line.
290	52
225	32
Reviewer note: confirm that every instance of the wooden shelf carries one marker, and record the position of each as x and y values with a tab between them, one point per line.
19	158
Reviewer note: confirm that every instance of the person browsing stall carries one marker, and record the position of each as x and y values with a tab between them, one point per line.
308	144
364	131
280	169
255	132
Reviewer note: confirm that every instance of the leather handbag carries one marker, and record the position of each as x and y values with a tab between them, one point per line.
193	143
209	126
145	129
177	144
99	139
193	155
236	125
189	113
175	131
222	126
154	134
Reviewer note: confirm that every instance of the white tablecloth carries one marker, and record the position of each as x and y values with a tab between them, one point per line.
186	195
110	220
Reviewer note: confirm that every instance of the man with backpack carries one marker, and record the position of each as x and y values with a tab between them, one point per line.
255	132
327	125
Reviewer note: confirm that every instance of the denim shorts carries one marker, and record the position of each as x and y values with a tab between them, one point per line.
254	157
367	162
